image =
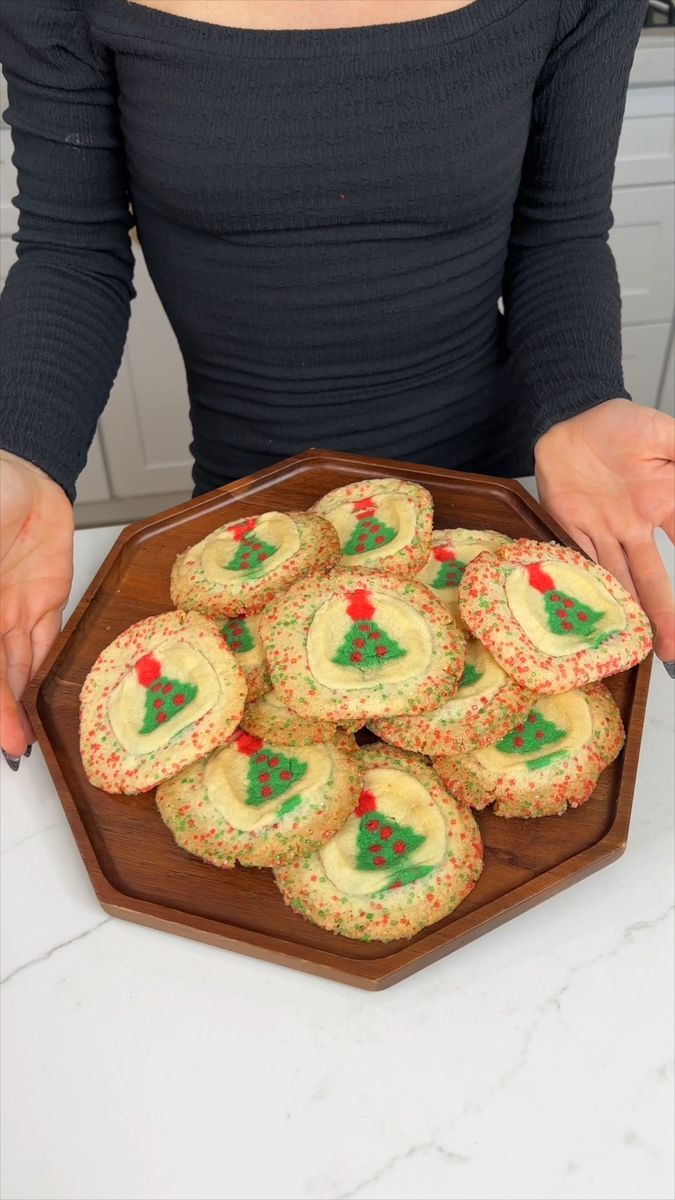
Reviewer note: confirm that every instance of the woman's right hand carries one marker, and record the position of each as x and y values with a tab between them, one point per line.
36	571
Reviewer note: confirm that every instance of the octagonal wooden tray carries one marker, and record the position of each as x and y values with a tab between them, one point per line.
140	874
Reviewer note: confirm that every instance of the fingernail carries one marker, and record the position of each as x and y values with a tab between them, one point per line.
27	753
12	763
670	668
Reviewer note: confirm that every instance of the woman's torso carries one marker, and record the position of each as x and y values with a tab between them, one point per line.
325	214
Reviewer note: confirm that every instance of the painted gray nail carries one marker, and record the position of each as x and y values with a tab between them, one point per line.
27	753
670	668
12	763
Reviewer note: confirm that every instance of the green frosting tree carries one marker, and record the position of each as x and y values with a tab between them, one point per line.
470	675
368	534
565	614
164	697
529	737
451	570
383	844
270	772
252	551
366	644
238	635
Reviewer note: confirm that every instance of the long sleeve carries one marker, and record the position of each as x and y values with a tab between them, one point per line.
561	292
65	306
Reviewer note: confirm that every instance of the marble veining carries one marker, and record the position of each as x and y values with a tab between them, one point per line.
50	953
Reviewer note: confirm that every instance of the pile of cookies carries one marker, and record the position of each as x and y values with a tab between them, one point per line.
474	659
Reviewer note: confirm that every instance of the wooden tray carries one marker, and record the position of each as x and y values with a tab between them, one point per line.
140	874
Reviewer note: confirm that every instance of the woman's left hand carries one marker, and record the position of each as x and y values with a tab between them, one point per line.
608	477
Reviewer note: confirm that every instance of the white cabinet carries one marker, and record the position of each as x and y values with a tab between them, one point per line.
644	354
643	244
9	217
646	152
7	257
93	485
644	221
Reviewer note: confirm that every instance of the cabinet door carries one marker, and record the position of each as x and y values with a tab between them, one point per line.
92	484
647	144
643	244
644	354
145	426
9	214
7	258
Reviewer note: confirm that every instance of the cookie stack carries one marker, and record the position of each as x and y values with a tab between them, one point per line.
474	659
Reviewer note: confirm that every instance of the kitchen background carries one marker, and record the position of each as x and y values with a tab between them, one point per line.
139	461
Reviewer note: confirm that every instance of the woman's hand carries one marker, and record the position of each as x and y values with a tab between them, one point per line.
36	571
608	477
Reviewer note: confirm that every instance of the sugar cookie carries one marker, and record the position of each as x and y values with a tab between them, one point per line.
406	856
163	694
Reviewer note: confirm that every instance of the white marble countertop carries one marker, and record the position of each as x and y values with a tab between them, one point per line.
535	1062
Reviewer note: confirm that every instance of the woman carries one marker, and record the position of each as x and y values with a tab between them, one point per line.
332	196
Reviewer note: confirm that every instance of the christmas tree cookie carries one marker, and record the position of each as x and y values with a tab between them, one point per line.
269	718
164	693
548	761
451	552
259	803
383	524
486	705
405	857
242	636
241	566
357	645
553	619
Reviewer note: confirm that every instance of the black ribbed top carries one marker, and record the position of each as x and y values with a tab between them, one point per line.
329	217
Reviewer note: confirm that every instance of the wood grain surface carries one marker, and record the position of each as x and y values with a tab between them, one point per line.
140	874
